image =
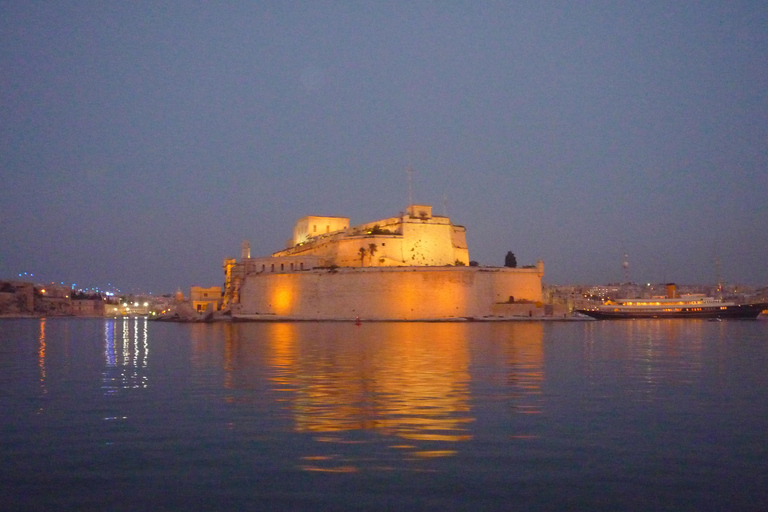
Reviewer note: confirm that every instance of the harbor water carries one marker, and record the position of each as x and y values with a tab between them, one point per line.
125	414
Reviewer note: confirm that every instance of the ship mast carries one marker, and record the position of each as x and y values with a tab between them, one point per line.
718	279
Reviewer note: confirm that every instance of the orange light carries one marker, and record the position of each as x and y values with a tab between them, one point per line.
283	297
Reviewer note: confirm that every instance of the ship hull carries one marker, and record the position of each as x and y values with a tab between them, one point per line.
730	311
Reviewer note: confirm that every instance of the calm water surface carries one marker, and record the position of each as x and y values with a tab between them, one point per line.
122	414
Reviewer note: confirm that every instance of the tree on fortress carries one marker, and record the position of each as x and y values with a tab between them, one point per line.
510	260
362	253
371	250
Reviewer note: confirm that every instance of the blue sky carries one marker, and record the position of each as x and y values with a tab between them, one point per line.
140	143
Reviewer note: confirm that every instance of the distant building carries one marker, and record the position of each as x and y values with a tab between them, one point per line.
88	307
309	227
17	298
205	299
135	307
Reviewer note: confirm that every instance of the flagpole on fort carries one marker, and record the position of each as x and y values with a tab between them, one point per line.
409	172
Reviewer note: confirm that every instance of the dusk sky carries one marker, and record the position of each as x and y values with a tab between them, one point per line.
142	142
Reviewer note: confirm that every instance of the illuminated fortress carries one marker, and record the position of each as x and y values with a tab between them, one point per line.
411	267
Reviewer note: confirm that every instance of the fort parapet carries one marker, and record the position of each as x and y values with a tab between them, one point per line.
410	267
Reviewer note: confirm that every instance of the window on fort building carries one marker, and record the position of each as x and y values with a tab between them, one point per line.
291	266
301	265
282	266
273	267
199	307
263	268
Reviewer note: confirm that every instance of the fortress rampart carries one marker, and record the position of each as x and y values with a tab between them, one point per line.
385	293
411	267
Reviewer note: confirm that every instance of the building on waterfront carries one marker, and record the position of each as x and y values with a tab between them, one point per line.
89	307
20	298
137	307
411	267
205	299
17	298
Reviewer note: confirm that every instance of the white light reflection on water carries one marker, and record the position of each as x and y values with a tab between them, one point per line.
646	356
126	354
651	355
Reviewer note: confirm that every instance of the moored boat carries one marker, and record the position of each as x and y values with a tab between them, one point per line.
672	306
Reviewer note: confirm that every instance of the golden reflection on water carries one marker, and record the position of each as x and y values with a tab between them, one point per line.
41	351
282	352
524	356
408	383
229	367
404	380
41	357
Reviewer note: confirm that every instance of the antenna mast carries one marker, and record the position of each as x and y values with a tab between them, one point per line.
625	265
409	172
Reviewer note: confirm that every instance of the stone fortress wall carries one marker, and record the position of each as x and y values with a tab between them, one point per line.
387	293
411	267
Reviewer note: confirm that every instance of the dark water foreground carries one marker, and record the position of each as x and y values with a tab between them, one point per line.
631	415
